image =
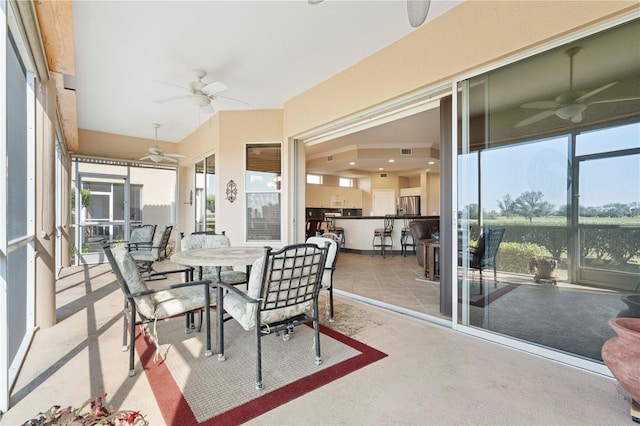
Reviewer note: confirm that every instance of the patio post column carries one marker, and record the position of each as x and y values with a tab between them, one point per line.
45	207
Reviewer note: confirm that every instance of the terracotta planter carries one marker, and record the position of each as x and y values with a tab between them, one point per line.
622	354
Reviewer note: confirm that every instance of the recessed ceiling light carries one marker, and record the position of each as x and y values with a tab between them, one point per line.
381	168
392	160
352	163
431	162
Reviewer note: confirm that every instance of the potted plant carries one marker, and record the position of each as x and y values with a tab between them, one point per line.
544	269
98	413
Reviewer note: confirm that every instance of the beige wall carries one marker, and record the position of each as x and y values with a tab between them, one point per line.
110	145
226	136
476	33
238	128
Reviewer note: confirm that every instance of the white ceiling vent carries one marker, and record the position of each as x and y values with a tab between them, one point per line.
329	158
384	175
406	151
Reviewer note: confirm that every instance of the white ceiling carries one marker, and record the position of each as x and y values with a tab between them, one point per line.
266	52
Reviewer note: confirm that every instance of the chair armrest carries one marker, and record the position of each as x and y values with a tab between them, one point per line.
138	245
234	289
174	271
180	285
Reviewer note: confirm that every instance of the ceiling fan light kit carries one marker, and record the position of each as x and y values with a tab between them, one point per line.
200	93
156	154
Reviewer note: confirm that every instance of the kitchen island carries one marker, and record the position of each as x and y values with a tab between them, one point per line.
358	231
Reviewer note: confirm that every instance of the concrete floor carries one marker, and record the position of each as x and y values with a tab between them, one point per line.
433	375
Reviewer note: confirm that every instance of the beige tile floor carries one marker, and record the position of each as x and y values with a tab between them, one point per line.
432	374
392	279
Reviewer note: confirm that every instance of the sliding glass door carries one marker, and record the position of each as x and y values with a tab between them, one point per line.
549	194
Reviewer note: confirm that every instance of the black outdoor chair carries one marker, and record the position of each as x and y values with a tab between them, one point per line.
282	293
143	305
142	236
484	255
145	256
335	242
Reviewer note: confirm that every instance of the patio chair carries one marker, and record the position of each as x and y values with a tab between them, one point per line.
143	305
484	255
282	293
146	256
141	236
335	242
199	240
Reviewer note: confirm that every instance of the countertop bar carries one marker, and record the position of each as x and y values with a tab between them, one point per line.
382	217
358	230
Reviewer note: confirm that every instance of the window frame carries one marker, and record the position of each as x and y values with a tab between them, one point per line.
249	192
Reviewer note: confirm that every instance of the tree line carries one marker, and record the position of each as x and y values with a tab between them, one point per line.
531	204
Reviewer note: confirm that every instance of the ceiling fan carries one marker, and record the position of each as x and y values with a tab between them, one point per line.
156	154
200	92
568	105
417	10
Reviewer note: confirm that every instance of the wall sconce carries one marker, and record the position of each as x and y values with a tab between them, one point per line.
232	191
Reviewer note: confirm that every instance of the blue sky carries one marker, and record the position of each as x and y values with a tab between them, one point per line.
542	166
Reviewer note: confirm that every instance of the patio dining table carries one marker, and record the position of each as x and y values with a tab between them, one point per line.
218	257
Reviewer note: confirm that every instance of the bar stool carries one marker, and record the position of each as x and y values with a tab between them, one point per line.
331	227
382	234
406	239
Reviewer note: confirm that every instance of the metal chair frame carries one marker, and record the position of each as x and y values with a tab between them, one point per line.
132	317
289	277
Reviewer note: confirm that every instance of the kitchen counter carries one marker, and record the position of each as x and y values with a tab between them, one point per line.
358	230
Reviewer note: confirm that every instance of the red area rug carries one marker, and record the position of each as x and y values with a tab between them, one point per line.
176	410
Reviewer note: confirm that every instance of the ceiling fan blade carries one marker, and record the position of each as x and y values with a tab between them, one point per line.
314	1
165	100
175	155
593	92
231	99
146	157
418	11
166	83
535	118
166	157
606	101
215	87
540	105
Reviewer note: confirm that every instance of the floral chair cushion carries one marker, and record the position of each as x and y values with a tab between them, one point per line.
179	300
131	273
143	234
245	313
149	254
227	273
331	255
165	303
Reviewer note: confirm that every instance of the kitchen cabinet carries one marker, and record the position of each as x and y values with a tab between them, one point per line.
333	197
311	196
